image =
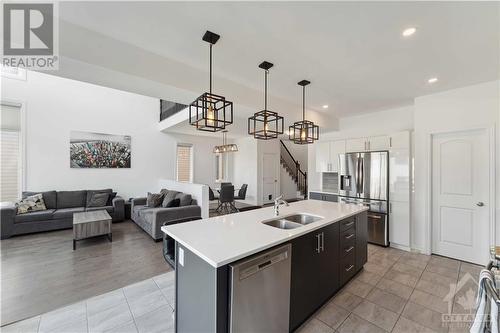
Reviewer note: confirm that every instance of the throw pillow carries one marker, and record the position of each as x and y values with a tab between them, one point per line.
98	200
110	199
154	200
174	203
31	203
169	196
90	193
184	198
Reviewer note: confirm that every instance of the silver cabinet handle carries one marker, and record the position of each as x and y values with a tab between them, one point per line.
349	249
350	236
349	268
348	224
480	204
375	217
318	238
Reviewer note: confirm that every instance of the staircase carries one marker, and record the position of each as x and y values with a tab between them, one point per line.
292	167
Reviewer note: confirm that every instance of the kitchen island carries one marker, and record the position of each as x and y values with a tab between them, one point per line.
233	271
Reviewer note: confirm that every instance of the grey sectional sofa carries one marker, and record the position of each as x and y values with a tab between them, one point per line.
59	214
152	219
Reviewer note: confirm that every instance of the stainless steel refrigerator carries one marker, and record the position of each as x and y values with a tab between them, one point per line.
363	179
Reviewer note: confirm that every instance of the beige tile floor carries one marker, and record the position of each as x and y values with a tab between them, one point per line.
396	292
144	307
401	292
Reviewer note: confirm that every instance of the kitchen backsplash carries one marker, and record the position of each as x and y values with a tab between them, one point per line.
330	181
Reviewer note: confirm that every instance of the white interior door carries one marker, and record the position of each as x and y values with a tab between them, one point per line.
461	195
270	174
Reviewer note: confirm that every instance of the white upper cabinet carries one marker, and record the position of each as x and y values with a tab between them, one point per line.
378	143
322	156
373	143
400	140
355	145
336	148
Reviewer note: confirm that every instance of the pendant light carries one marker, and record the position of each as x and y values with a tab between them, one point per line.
265	124
211	112
304	131
225	147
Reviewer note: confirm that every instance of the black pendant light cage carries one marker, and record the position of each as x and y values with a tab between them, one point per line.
305	131
211	112
265	124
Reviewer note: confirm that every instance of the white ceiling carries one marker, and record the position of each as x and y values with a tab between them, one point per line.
352	52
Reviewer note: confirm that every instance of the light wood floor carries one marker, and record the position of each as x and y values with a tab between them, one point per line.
41	272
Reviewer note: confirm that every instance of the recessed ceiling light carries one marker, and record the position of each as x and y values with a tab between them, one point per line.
409	31
325	106
432	80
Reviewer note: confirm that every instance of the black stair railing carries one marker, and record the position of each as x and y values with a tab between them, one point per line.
293	168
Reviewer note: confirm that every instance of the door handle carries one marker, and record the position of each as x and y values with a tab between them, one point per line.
349	237
375	217
480	204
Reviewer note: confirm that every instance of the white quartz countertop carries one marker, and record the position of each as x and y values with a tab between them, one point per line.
224	239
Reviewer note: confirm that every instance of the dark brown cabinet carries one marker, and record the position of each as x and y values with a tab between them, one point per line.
323	196
315	276
361	240
323	261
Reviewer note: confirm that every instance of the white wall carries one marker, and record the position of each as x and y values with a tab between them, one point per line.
245	167
470	107
55	106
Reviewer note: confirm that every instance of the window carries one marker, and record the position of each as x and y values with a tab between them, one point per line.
11	152
184	162
220	167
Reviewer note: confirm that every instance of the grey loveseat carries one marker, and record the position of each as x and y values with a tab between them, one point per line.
152	219
59	214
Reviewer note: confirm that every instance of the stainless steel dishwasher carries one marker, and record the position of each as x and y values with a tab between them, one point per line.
260	292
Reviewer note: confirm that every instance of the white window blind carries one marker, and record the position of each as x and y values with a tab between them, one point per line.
185	163
10	173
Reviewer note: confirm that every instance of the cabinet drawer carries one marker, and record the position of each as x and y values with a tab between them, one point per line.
347	223
348	247
347	267
347	236
315	196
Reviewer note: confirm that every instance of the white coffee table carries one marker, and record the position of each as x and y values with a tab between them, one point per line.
91	224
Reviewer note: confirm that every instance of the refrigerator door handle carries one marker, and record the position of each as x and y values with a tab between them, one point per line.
357	174
362	177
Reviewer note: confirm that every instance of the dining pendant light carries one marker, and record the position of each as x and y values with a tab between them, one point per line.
211	112
265	124
225	147
304	131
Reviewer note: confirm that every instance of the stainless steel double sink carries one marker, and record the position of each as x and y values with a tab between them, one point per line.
292	221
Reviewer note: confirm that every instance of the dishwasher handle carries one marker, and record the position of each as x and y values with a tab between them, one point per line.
262	263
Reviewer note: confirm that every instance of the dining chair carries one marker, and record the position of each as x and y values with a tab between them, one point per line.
225	184
242	193
226	199
211	195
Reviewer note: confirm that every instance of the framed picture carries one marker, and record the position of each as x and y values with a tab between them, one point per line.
101	151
